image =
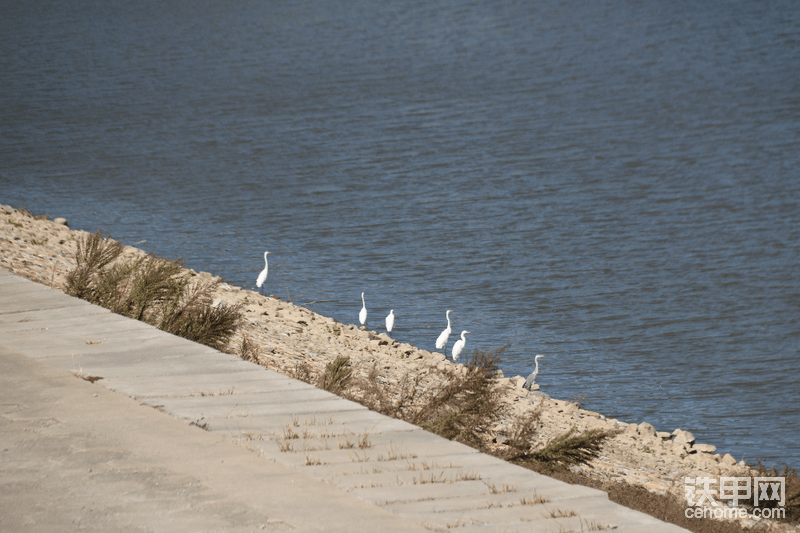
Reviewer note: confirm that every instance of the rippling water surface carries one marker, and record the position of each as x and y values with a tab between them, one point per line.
614	185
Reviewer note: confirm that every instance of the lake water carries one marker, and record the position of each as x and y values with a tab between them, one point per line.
611	184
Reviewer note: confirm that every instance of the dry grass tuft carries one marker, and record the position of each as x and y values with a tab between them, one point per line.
152	290
248	350
337	375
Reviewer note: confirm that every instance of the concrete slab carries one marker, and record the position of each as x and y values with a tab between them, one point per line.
313	427
87	320
7	278
319	403
180	362
45	317
413	493
101	339
259	379
30	296
78	457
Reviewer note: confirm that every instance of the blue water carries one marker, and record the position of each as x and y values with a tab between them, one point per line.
613	185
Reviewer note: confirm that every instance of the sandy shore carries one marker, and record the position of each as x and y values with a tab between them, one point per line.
287	335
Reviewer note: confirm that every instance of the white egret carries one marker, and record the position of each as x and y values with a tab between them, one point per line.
441	342
532	377
459	345
390	321
362	315
263	276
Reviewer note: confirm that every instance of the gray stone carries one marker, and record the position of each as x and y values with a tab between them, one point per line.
727	460
61	220
663	435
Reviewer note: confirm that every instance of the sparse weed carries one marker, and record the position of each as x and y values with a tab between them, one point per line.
302	371
469	475
362	458
311	461
558	513
395	454
430	478
494	489
587	525
536	499
363	441
248	350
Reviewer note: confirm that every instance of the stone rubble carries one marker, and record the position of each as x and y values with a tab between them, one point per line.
290	338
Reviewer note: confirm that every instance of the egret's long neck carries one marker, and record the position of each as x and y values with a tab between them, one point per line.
448	319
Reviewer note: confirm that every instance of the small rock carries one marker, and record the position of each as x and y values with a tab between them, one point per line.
61	220
727	460
517	381
647	430
681	448
663	435
632	429
705	448
501	439
683	437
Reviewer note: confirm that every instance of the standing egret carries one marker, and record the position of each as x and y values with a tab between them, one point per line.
441	342
263	276
459	345
362	315
390	321
529	381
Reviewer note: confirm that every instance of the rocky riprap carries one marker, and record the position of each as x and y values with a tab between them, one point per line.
288	337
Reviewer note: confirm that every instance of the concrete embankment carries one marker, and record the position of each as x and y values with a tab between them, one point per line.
243	447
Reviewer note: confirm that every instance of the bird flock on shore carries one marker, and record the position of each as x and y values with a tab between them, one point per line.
441	341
